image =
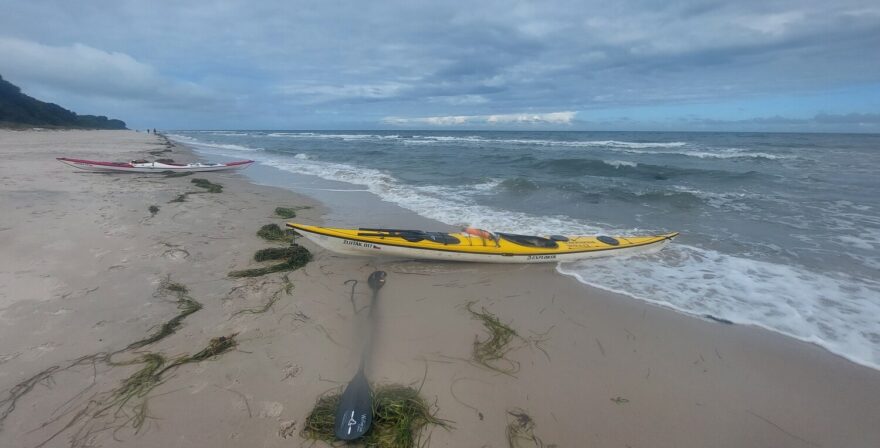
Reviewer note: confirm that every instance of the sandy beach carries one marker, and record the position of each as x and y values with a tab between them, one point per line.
85	267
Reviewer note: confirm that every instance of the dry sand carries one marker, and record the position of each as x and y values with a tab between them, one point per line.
82	259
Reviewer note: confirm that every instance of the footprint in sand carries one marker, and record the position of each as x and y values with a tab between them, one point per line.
6	358
271	409
175	254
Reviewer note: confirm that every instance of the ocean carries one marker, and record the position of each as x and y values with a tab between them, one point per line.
780	231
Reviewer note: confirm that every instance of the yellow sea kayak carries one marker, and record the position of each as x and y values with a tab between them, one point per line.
477	245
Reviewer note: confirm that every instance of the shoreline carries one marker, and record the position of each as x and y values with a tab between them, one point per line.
593	365
349	206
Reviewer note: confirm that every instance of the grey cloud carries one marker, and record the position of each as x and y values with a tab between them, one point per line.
90	71
848	118
872	119
282	63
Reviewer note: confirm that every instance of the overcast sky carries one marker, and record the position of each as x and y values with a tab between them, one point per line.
803	65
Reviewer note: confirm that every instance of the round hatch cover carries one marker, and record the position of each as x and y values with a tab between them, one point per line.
608	240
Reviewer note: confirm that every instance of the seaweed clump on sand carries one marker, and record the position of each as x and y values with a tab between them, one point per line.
286	288
217	346
7	404
170	173
491	352
186	304
298	257
289	212
134	389
399	414
521	430
211	187
180	198
127	405
275	253
272	232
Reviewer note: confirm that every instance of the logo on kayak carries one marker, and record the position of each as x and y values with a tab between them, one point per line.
360	244
541	257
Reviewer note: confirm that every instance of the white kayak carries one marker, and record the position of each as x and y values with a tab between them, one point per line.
138	166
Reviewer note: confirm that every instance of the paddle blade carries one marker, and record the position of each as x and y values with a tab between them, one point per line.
355	412
376	280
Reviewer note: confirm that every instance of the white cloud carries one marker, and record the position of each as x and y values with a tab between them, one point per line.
551	118
454	120
460	100
86	71
772	24
329	92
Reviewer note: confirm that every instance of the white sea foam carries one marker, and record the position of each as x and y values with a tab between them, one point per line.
835	311
728	200
733	153
660	148
540	142
620	163
227	133
313	135
859	242
207	145
615	144
729	153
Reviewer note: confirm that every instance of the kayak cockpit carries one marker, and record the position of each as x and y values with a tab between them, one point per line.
413	236
530	240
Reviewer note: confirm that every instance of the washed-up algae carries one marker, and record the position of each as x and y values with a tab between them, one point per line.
180	198
7	404
127	406
177	173
300	256
150	375
399	415
521	431
216	347
286	288
142	382
274	253
272	232
289	212
492	351
209	187
186	304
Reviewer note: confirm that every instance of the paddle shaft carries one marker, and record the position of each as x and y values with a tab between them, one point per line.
376	282
355	412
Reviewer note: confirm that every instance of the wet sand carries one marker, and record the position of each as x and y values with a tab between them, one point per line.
82	260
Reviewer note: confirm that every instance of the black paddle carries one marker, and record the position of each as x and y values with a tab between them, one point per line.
355	412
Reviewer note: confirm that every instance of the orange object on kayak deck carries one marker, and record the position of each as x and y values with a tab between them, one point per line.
479	232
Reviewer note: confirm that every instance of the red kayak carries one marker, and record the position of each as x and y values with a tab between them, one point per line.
142	166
